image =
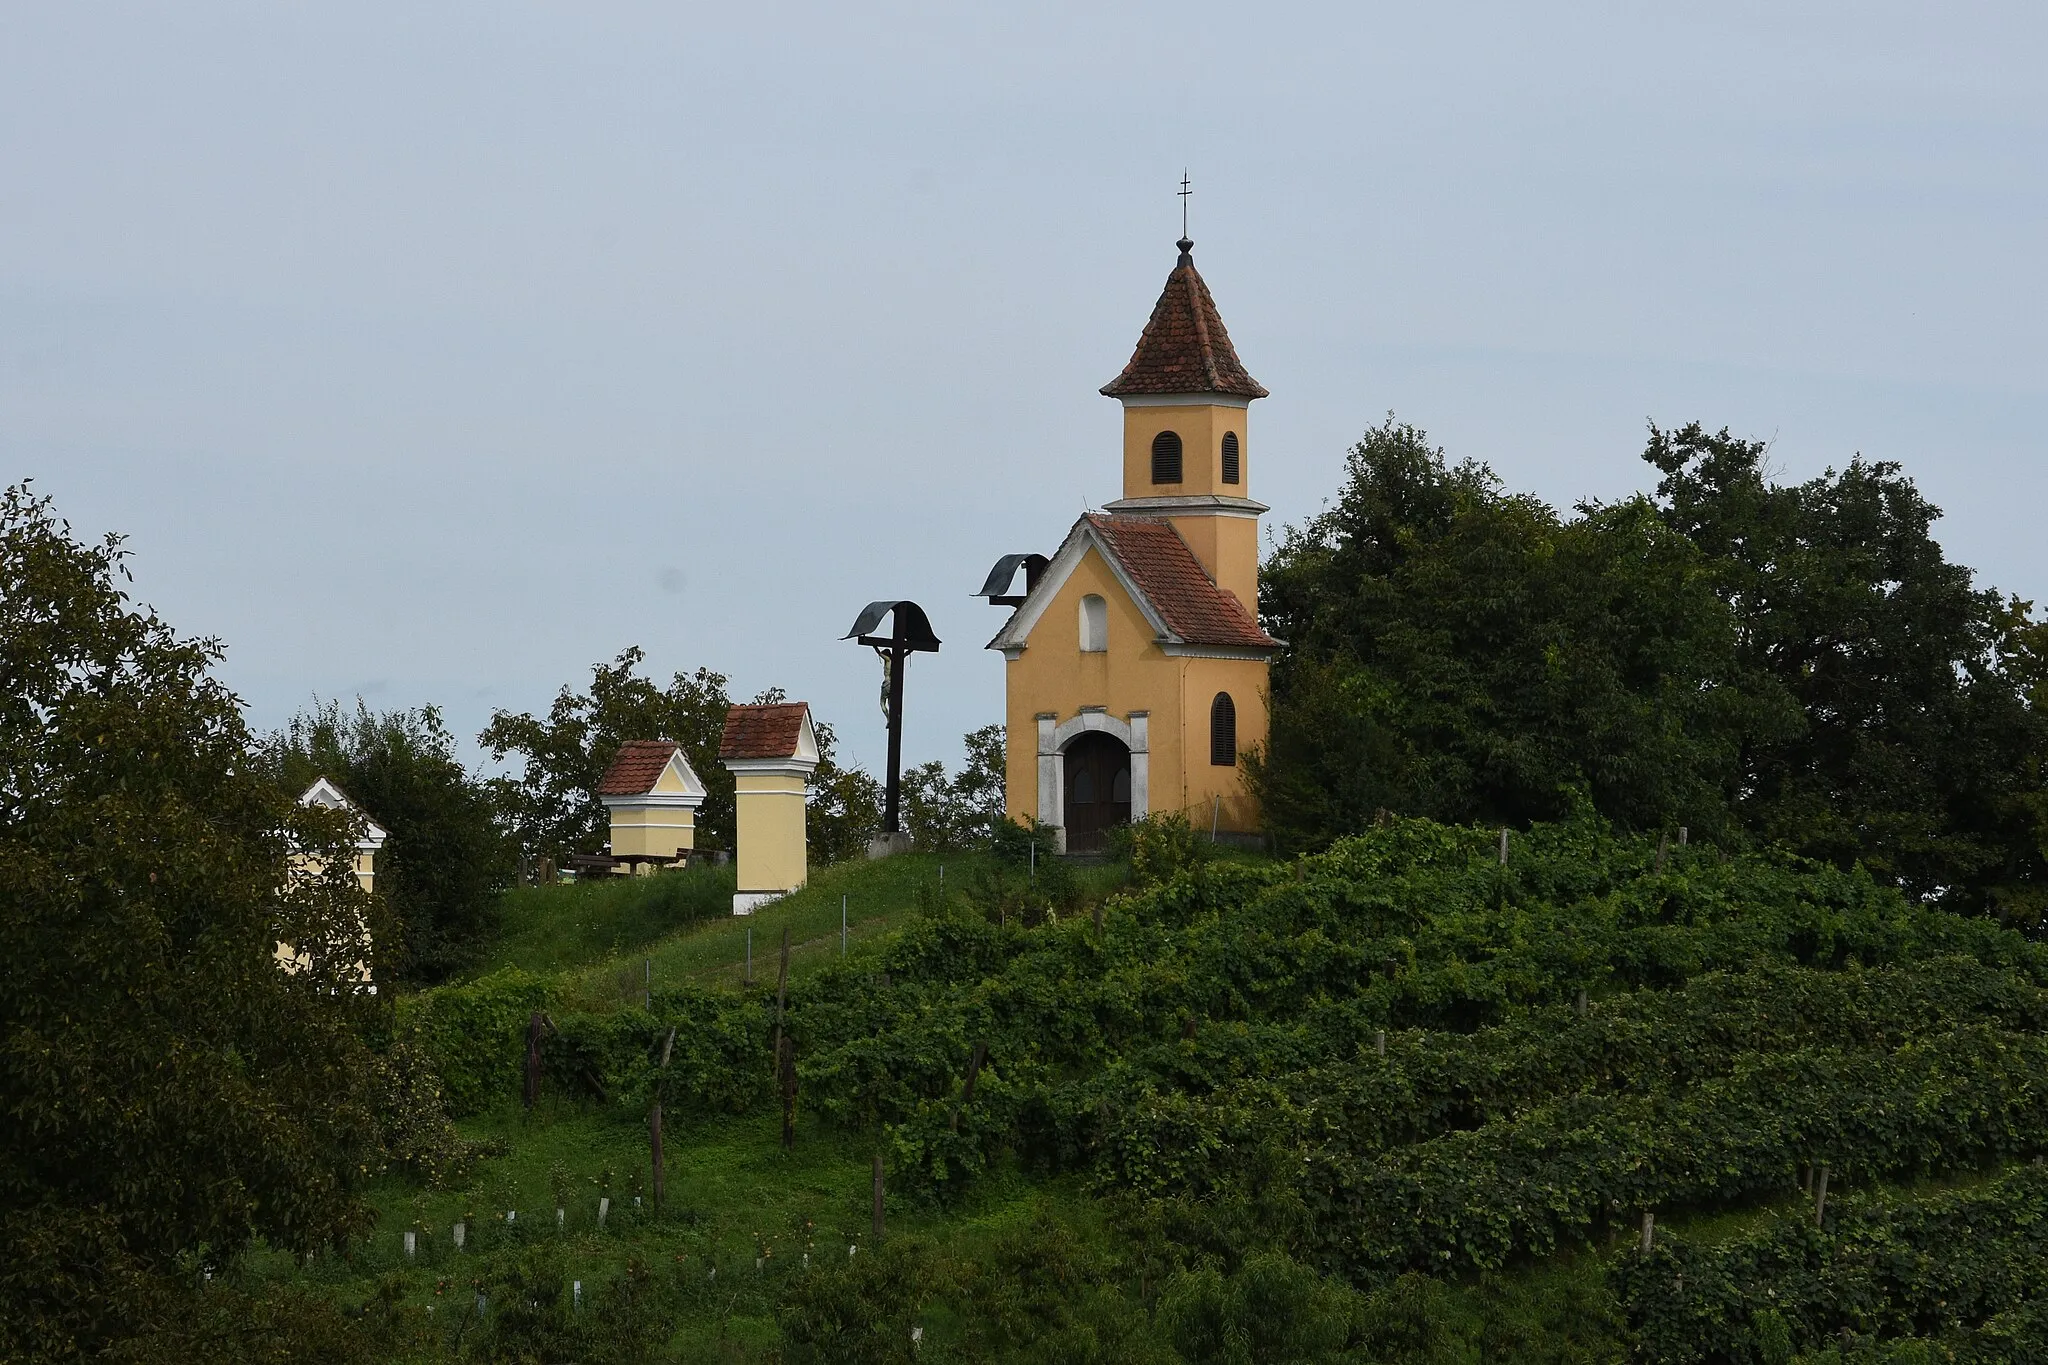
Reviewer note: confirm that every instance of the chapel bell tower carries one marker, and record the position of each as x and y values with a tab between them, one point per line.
1187	440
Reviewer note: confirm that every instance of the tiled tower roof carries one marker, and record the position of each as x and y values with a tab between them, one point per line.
1184	347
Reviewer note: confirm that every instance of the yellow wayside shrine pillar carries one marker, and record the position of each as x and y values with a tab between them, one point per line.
771	752
653	795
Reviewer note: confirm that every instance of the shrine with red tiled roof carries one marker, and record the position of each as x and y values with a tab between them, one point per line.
1135	665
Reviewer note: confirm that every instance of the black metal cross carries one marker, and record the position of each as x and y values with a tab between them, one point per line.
910	633
1186	189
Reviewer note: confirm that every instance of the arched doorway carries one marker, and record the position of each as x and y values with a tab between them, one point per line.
1098	789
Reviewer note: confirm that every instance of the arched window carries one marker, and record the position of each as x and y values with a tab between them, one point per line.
1094	624
1166	457
1233	462
1223	731
1084	788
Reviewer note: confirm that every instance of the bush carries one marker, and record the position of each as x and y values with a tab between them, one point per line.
476	1033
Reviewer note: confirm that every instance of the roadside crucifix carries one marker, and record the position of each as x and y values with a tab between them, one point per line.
910	633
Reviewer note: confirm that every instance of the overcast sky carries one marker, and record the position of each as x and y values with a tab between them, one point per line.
434	352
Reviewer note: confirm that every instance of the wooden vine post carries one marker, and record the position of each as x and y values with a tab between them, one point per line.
533	1032
967	1090
654	1120
781	996
1649	1232
785	1049
786	1076
878	1198
1820	1197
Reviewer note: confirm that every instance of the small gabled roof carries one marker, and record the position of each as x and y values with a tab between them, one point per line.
327	796
769	730
639	764
1184	347
1163	577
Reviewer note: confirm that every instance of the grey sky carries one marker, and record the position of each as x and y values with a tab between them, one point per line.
435	352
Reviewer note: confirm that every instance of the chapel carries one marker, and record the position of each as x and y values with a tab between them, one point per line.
1135	667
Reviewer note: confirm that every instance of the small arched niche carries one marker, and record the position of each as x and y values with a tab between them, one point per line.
1094	625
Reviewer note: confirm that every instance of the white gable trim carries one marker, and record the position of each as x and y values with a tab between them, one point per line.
1221	651
1189	504
1185	400
693	786
327	796
1016	634
654	801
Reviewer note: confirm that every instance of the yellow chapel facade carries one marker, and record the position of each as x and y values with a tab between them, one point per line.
1135	666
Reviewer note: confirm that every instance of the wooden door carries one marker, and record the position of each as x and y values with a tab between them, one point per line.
1098	773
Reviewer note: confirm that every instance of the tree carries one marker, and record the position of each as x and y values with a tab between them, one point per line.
1918	736
945	812
1463	653
446	857
1796	665
168	1094
554	803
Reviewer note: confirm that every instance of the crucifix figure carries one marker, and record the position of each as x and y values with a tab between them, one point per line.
910	633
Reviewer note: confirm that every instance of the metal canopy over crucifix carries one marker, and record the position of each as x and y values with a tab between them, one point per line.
910	633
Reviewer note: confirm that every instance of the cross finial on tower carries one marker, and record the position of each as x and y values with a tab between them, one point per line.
1186	189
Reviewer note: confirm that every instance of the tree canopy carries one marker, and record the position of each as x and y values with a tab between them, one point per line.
553	804
1798	665
446	856
167	1092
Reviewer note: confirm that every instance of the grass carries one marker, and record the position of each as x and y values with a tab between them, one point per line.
738	1204
548	929
600	936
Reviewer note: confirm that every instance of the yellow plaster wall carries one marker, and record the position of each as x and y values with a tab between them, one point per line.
652	831
1053	675
1201	427
1228	547
1246	681
769	829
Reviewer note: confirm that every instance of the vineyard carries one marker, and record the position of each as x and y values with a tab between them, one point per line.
1389	1102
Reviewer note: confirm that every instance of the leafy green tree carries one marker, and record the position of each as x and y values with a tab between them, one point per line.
943	811
168	1094
1916	737
1797	665
446	857
553	803
1466	654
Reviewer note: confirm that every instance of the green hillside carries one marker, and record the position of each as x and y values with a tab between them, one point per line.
1396	1101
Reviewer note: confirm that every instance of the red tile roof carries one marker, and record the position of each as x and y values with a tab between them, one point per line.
1184	348
636	768
1177	585
763	730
